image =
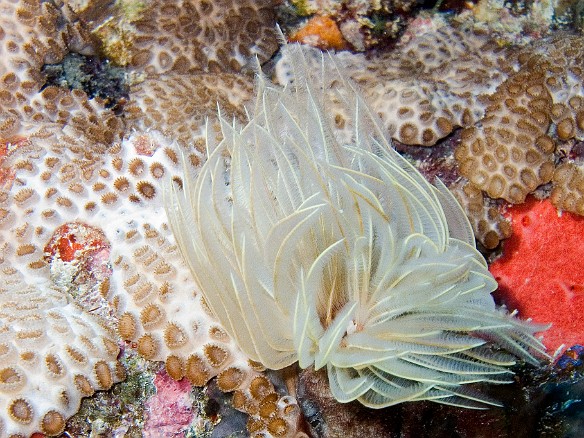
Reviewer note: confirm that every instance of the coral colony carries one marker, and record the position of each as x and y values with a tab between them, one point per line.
84	245
447	78
146	221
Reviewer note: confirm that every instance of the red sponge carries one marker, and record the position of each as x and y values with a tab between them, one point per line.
541	272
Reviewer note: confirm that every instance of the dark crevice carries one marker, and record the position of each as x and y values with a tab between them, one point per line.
97	77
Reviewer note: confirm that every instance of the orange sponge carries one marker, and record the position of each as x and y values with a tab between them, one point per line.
321	32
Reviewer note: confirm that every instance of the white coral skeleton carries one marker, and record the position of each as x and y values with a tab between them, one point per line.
341	255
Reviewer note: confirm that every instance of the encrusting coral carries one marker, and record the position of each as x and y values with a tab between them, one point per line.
121	196
568	191
35	33
178	104
81	219
203	35
488	224
189	55
510	154
45	338
341	255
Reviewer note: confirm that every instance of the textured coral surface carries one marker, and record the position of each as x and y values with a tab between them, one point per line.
86	258
516	105
541	272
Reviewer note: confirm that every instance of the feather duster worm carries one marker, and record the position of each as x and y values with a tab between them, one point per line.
341	255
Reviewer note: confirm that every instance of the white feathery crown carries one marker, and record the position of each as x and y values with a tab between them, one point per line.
339	254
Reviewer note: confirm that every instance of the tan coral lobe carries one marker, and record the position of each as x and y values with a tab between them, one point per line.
513	103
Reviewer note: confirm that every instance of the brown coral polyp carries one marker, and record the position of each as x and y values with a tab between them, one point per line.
175	336
10	379
83	385
148	346
76	355
111	348
175	367
127	326
146	189
278	427
260	387
565	129
53	423
268	406
54	365
568	188
151	316
196	370
215	355
21	411
103	375
230	379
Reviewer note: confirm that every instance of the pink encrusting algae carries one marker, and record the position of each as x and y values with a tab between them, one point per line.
170	411
541	272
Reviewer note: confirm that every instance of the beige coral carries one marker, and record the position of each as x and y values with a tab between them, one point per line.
426	88
489	225
44	338
33	33
188	55
510	154
190	36
200	35
121	192
568	188
178	105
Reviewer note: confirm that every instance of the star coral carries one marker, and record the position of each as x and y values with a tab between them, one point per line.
189	36
515	105
45	338
149	283
81	219
341	255
568	188
177	105
510	154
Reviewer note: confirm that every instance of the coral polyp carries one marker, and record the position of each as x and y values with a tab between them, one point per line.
338	254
